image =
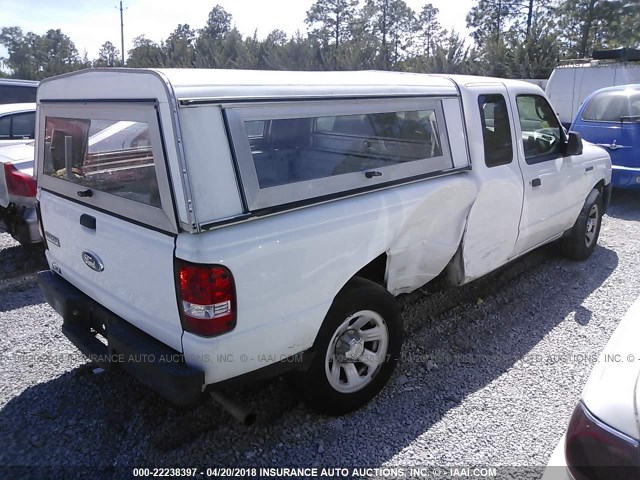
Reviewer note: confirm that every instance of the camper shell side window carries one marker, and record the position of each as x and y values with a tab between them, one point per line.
302	151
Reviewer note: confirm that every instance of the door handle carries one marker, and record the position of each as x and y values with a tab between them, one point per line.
588	169
88	221
536	182
372	173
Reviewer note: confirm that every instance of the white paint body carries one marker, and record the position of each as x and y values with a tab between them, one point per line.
288	266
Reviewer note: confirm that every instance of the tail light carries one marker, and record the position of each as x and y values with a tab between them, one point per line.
18	183
207	298
596	451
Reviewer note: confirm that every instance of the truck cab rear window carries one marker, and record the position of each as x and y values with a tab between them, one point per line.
112	156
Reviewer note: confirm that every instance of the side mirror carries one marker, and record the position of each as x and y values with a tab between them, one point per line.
574	144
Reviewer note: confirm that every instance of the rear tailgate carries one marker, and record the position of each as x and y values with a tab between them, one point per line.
137	280
107	210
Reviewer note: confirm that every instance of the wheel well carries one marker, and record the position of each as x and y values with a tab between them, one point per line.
599	186
375	270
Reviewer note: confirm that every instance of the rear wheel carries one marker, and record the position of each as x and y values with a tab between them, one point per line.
583	236
356	350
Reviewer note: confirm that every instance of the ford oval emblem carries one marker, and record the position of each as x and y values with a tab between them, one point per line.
92	261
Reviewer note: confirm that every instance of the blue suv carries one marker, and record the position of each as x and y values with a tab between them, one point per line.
610	118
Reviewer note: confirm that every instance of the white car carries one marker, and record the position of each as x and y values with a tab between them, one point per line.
17	123
603	437
17	185
18	193
259	223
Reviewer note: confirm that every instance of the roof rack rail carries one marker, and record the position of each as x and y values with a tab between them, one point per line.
623	54
604	58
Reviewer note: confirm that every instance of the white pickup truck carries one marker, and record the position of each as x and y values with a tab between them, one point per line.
244	224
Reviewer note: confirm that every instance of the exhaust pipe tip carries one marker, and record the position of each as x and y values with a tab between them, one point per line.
237	411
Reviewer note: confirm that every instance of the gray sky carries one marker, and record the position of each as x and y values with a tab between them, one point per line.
91	23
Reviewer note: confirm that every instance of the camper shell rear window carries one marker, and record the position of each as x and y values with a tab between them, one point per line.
111	156
305	150
108	156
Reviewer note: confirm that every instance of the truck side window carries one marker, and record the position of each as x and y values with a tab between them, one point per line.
541	131
496	131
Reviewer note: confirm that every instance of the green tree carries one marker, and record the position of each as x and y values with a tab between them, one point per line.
451	55
302	53
56	54
429	28
392	23
218	23
108	56
233	52
623	28
85	62
526	12
272	53
33	56
179	49
585	25
209	45
537	55
495	57
330	22
488	19
145	54
588	17
20	60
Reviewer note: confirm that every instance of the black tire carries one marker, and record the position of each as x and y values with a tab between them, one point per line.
358	295
576	244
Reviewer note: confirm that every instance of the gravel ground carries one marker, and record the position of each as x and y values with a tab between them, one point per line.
490	376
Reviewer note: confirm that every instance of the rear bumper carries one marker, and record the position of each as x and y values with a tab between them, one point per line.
625	177
21	222
152	362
